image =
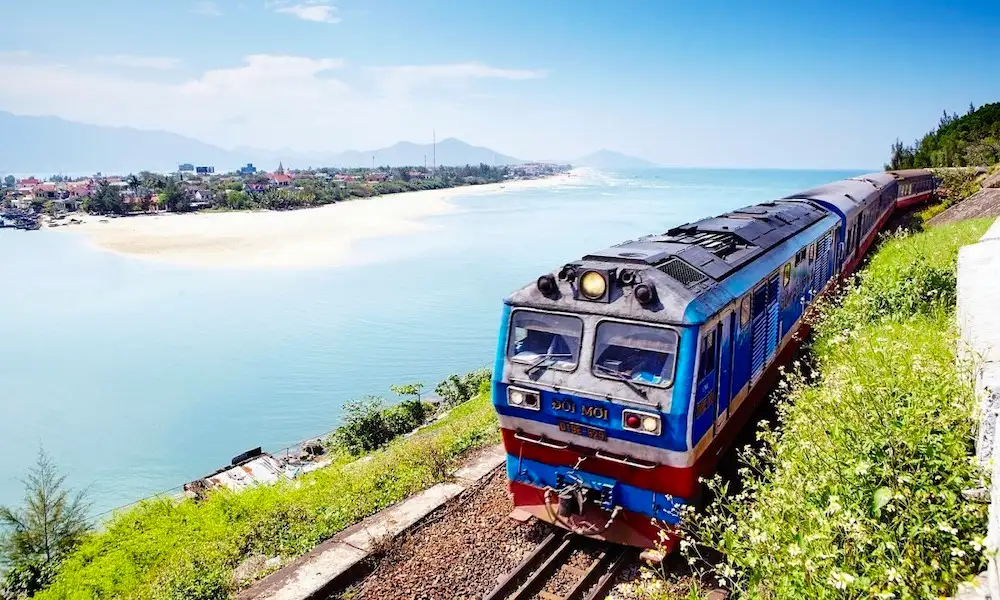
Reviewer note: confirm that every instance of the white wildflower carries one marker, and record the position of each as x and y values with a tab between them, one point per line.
834	505
893	575
841	580
945	527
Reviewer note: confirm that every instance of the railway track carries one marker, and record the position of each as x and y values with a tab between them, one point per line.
563	566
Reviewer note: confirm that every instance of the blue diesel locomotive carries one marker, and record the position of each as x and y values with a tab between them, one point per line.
622	377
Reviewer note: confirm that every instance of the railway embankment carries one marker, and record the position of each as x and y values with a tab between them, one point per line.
213	549
979	325
861	488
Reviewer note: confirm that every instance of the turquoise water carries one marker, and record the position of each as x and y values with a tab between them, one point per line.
138	377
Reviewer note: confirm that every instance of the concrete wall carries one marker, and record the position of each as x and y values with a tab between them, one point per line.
979	346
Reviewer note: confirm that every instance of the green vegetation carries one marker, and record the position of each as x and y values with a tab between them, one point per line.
106	199
857	492
170	549
970	140
308	188
36	538
458	389
368	425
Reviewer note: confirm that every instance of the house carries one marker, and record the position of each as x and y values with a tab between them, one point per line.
280	179
29	182
417	175
374	177
47	191
342	177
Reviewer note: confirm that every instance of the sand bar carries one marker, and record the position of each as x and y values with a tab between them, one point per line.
305	238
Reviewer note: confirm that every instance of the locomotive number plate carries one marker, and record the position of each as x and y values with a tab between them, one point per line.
577	429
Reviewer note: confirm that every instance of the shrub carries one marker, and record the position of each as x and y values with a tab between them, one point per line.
364	428
406	416
458	389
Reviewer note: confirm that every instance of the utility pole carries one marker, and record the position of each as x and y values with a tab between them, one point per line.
435	150
373	162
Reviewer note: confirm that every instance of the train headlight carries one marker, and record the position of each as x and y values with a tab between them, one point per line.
641	422
593	285
523	399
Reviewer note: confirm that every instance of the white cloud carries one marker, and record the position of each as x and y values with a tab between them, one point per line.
206	9
402	79
266	101
310	10
161	63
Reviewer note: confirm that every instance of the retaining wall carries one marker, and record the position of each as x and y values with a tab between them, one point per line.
979	346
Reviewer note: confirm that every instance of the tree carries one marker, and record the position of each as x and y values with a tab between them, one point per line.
39	534
174	197
106	199
9	181
409	389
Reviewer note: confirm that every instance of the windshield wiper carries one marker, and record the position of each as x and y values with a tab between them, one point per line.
626	380
542	358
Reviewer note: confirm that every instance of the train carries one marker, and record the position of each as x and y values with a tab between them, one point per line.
621	378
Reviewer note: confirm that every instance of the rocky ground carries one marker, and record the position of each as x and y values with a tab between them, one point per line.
461	552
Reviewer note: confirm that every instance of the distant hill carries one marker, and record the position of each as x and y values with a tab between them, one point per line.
608	159
49	145
449	152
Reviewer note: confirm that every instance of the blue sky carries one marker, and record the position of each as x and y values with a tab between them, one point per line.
754	84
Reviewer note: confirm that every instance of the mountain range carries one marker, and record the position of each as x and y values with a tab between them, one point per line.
48	145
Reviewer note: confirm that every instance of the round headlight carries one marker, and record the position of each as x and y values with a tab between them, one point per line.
593	285
517	397
650	424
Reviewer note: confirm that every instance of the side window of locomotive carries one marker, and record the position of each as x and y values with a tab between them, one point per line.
706	360
536	334
786	273
759	300
635	352
811	253
745	311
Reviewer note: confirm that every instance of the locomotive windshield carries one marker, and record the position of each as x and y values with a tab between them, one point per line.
637	353
537	336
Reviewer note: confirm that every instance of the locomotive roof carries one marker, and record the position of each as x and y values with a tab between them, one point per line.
688	261
716	246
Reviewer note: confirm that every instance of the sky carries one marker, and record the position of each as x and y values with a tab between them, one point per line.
712	83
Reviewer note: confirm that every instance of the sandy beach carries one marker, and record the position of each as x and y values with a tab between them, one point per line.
305	238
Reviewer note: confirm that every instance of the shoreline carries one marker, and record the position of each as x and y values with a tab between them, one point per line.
315	237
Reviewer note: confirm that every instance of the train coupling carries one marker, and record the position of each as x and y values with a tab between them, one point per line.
572	499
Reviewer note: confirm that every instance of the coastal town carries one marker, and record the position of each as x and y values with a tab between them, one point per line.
30	202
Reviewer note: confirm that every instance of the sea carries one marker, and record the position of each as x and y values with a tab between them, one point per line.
136	377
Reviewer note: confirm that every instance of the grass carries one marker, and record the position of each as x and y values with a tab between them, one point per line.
856	491
168	549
